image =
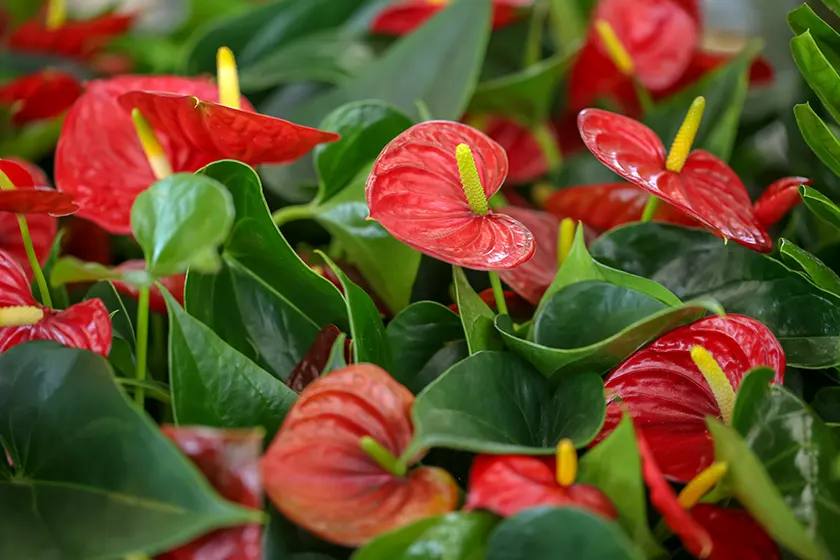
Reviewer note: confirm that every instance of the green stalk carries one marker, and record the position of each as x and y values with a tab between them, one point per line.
548	146
291	214
533	45
383	457
651	206
498	293
645	99
142	343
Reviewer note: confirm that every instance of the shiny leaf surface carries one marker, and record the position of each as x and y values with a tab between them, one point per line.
476	317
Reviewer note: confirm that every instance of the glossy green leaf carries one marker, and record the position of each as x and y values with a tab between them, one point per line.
554	532
725	90
365	128
495	402
600	357
814	268
60	409
818	136
390	266
476	316
797	450
416	335
336	358
264	30
526	96
748	481
820	205
370	344
694	263
804	19
70	269
455	536
826	403
180	222
214	385
817	71
121	315
615	467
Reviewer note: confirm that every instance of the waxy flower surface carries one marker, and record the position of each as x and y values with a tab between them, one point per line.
670	386
335	466
86	325
429	188
39	96
404	16
80	39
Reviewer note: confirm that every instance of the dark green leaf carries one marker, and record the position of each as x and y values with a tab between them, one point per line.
336	359
61	413
476	317
818	71
694	263
555	532
494	402
180	222
818	136
214	385
370	344
813	267
415	335
365	128
804	19
456	536
615	467
820	205
121	316
797	450
748	481
827	404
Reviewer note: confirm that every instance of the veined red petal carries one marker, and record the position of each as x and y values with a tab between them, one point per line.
780	198
735	534
74	39
669	398
415	192
99	159
32	195
601	207
229	459
222	132
509	484
317	474
39	96
404	17
526	159
173	284
532	278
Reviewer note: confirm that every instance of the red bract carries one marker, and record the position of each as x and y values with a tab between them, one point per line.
173	284
230	461
310	367
44	95
703	62
669	397
406	16
73	39
31	194
220	132
318	475
706	188
706	530
660	37
85	325
508	484
415	191
99	158
779	199
526	159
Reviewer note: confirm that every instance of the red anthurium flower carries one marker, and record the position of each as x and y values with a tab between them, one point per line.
429	188
173	284
223	130
508	484
85	325
30	194
703	62
335	469
526	159
100	159
39	96
707	531
696	183
230	461
610	205
652	41
670	386
72	39
405	16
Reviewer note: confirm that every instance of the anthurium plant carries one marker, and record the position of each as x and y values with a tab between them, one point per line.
418	279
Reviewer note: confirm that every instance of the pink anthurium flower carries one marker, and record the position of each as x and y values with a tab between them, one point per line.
222	130
508	484
404	16
670	386
336	466
697	183
86	325
706	530
429	188
43	95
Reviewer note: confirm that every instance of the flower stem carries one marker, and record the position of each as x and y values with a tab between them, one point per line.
383	457
142	343
645	99
33	261
533	44
650	208
291	214
498	293
548	147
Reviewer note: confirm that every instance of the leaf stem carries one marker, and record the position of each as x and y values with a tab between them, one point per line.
142	343
533	44
498	293
383	457
645	99
291	214
651	206
548	146
33	261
